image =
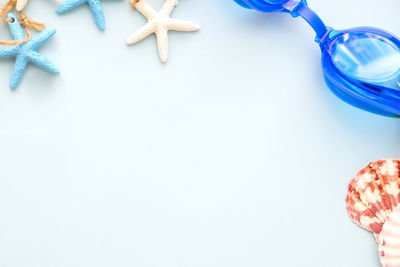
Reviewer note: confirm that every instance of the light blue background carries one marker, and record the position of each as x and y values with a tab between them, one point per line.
233	154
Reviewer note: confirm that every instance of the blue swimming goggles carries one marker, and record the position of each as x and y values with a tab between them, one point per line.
361	65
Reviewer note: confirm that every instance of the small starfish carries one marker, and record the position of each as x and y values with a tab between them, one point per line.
160	23
26	52
21	4
94	5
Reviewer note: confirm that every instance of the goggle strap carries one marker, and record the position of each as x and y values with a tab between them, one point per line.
312	18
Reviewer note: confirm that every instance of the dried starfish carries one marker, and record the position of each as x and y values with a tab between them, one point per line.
95	6
26	52
159	23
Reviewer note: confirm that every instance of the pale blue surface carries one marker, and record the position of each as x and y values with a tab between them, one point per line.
95	7
233	154
26	52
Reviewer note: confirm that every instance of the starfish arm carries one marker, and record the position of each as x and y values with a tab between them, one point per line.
162	43
21	4
7	52
142	33
98	13
15	28
146	10
43	62
40	39
18	71
168	7
69	5
181	25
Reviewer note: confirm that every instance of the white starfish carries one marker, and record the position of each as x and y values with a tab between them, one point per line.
21	4
160	23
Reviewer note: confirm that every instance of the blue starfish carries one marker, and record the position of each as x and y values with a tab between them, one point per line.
26	52
94	5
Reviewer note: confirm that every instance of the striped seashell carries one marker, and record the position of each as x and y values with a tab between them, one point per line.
389	240
374	193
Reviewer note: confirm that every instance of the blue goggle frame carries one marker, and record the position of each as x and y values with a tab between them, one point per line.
361	65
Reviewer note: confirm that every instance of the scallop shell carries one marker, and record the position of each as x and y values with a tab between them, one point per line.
389	240
374	193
